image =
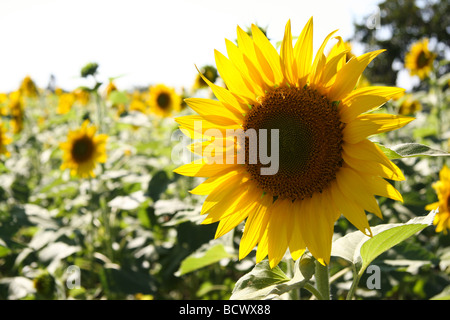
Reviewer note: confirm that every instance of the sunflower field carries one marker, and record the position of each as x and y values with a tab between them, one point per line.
105	193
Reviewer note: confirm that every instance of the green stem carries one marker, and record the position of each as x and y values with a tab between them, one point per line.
356	277
322	280
313	290
293	294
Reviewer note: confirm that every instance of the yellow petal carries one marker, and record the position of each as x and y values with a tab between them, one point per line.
208	107
374	168
348	76
248	205
297	245
232	77
237	202
350	183
369	124
212	183
229	190
317	227
246	67
319	61
269	53
255	226
364	99
225	96
369	151
350	209
262	250
380	187
196	126
336	50
277	231
287	55
332	66
200	168
303	53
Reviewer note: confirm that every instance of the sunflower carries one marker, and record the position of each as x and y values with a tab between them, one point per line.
4	141
409	105
209	72
326	166
16	111
82	96
442	188
65	103
419	60
28	88
163	100
83	150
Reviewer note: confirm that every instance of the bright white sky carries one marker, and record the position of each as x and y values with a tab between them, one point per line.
148	42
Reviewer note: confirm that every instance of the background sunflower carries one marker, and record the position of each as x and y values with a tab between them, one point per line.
83	150
163	100
442	188
419	60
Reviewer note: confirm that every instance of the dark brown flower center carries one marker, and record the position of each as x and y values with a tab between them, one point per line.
82	149
163	100
422	60
309	146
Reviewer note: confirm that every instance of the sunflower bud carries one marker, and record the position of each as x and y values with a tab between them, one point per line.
45	285
89	70
307	265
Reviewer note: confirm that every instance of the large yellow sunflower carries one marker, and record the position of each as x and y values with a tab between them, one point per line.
163	100
442	187
419	60
83	150
327	166
4	141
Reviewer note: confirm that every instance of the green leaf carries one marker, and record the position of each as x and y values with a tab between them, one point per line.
205	256
267	283
444	295
387	239
360	249
409	150
118	97
4	251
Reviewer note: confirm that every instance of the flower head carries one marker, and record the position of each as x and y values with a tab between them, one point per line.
442	188
419	60
83	150
28	88
4	141
326	165
65	103
409	105
16	110
163	100
209	72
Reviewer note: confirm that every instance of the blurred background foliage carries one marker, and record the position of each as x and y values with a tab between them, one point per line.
403	22
133	231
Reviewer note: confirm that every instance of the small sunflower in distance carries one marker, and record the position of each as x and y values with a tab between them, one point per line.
83	150
327	166
28	88
442	188
163	100
419	60
4	141
209	72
